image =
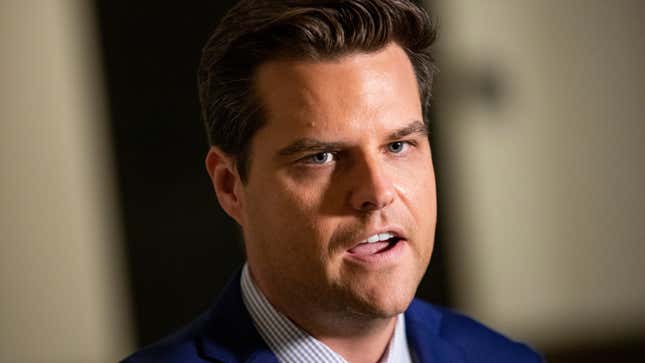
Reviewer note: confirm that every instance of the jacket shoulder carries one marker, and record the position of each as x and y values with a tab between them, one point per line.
477	342
180	347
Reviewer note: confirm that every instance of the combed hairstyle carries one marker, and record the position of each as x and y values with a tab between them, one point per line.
257	31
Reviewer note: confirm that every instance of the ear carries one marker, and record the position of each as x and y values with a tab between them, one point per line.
226	182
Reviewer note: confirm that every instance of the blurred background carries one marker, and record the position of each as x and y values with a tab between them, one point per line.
111	237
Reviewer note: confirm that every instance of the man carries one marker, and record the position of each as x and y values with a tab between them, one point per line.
316	114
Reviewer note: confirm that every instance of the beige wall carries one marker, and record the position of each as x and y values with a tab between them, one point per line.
62	287
546	191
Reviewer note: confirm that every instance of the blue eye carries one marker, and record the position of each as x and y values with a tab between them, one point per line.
320	158
397	146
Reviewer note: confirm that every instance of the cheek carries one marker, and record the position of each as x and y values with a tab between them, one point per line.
416	180
286	210
292	231
304	191
304	204
417	190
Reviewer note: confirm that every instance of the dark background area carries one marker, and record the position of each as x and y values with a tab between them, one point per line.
181	248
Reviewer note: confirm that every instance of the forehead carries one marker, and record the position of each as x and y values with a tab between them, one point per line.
317	96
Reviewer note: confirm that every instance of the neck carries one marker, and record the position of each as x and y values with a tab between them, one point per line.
360	341
357	338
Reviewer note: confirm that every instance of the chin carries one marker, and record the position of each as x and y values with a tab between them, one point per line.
380	309
381	301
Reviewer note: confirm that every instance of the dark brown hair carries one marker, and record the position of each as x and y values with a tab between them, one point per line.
257	31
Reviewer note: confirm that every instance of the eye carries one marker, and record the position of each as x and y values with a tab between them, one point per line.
320	158
397	147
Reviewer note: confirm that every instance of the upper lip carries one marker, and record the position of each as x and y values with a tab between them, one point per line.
394	230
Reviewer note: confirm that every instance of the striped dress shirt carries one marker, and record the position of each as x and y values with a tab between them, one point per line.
291	344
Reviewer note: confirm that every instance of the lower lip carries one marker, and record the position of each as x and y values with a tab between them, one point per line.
389	256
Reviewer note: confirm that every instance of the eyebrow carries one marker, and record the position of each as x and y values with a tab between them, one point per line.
415	127
310	145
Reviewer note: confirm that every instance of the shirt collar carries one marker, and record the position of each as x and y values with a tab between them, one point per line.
292	344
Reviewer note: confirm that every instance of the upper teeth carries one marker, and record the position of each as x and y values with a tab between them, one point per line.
379	237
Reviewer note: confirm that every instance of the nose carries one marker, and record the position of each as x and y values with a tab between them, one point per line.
372	187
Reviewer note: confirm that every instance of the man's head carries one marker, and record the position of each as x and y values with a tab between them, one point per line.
256	31
316	115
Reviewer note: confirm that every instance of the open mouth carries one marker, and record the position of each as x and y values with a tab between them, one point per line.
376	244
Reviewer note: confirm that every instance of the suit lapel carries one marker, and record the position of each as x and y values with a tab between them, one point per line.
230	335
426	345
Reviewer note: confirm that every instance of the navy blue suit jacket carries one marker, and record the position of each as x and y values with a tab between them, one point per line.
226	333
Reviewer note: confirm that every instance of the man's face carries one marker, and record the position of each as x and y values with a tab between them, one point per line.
343	157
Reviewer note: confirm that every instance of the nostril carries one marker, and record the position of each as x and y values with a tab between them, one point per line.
367	206
368	197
